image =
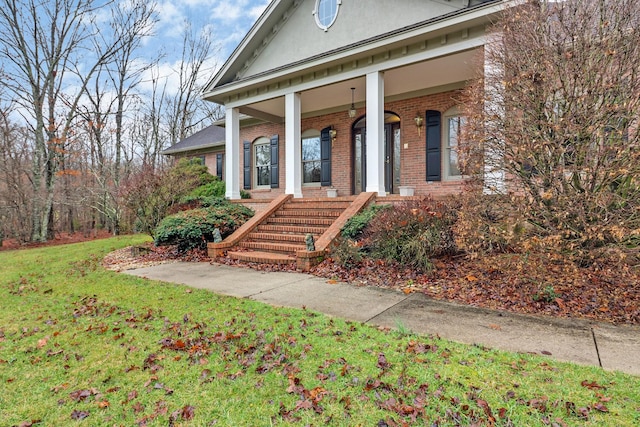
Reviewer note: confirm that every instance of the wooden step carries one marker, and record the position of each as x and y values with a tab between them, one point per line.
262	257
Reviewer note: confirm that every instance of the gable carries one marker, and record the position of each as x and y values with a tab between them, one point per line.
287	32
301	38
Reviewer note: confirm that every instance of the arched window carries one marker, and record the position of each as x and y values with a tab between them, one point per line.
311	164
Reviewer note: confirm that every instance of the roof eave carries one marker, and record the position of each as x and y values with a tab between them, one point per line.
170	151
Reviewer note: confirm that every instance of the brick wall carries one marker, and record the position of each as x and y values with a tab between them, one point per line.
412	157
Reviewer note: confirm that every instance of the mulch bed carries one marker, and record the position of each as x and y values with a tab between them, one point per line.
529	285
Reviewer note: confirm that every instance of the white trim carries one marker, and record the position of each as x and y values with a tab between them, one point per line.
293	156
375	133
231	89
347	75
232	154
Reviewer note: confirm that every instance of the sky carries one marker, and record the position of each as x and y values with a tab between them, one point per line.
228	20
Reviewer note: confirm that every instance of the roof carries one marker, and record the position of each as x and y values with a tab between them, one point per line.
209	137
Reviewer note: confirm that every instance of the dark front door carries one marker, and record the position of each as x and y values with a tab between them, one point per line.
391	154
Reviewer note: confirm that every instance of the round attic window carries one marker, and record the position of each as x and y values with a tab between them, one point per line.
326	12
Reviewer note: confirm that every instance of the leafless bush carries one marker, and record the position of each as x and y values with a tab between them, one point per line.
555	115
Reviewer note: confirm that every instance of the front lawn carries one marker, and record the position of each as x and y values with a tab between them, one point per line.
82	345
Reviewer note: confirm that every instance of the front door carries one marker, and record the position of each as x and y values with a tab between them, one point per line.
391	154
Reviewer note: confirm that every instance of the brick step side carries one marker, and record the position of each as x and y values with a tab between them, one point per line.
262	257
290	229
272	247
323	213
300	221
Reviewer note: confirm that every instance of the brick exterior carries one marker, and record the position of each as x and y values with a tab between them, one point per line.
412	158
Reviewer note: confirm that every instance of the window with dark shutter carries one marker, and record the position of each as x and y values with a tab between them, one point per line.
433	141
219	166
248	161
275	170
325	157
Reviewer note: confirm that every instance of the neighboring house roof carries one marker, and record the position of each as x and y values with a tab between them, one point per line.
209	137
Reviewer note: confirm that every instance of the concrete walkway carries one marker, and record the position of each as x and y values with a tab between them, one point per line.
579	341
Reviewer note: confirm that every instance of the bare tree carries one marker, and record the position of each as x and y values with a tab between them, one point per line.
49	48
113	91
186	111
560	106
15	191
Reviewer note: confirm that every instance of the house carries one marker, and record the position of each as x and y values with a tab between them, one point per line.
353	96
207	144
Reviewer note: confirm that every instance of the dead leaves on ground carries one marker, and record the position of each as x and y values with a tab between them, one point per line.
379	377
531	283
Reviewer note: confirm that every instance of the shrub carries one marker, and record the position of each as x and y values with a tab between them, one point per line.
216	188
346	252
152	193
354	226
562	138
487	223
412	233
194	228
211	189
194	169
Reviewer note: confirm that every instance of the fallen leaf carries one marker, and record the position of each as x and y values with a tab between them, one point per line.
600	407
79	415
591	385
382	362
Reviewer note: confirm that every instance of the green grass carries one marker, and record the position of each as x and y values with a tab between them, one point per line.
80	345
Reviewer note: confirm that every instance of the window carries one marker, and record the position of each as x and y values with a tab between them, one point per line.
311	164
452	137
326	12
262	163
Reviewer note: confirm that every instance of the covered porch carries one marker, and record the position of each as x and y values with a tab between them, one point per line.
349	95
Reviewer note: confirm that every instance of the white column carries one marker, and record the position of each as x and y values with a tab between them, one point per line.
494	174
293	151
375	133
232	153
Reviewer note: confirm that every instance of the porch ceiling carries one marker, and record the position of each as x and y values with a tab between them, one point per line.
402	82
